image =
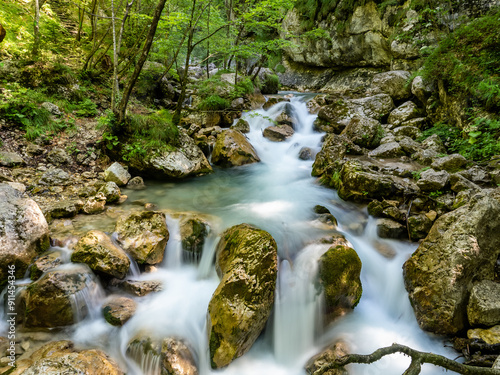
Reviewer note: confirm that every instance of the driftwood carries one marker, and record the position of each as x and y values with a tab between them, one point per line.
417	359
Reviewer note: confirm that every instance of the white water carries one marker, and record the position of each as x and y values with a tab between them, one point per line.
277	195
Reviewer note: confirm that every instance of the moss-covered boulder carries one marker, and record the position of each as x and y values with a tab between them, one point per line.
173	354
339	277
50	301
60	357
246	261
359	182
97	250
111	191
462	247
24	232
143	235
232	149
117	310
194	230
117	174
364	131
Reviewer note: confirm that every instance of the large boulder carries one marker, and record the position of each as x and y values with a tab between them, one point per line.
187	160
24	232
329	160
97	250
118	310
393	83
364	131
376	106
60	357
358	182
232	149
462	247
247	262
173	355
55	300
117	174
405	112
278	133
143	235
430	180
339	276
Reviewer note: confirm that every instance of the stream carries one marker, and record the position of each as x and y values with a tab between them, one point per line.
278	195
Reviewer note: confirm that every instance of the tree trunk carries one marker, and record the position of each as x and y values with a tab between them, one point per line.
115	88
36	31
122	107
2	33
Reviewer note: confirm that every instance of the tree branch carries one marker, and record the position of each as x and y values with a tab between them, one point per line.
418	358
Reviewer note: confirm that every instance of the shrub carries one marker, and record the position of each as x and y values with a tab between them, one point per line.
214	103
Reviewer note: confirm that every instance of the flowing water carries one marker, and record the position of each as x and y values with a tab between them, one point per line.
277	195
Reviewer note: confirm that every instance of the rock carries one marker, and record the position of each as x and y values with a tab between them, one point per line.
387	228
45	262
459	183
419	226
95	205
477	175
422	89
387	150
52	108
359	183
407	131
117	174
58	156
483	308
328	160
430	180
408	145
238	103
11	160
55	300
117	310
404	112
376	106
278	133
56	358
55	176
364	131
305	153
419	123
490	336
24	232
172	354
138	288
143	235
246	261
61	209
111	192
315	365
339	275
424	157
450	163
393	83
136	183
334	118
97	250
242	126
178	359
233	149
193	233
439	278
434	143
286	117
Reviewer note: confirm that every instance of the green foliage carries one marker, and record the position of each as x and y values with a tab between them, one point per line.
86	108
417	174
242	88
467	61
435	194
214	103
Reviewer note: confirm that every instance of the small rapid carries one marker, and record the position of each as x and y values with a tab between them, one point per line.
278	195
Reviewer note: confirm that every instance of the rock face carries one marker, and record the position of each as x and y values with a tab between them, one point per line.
462	246
339	275
143	235
186	161
483	308
117	174
24	232
232	149
59	357
97	250
50	301
246	260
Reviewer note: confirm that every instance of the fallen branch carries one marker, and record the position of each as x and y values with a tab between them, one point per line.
417	359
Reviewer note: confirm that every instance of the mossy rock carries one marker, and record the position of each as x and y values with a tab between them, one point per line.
339	277
247	262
